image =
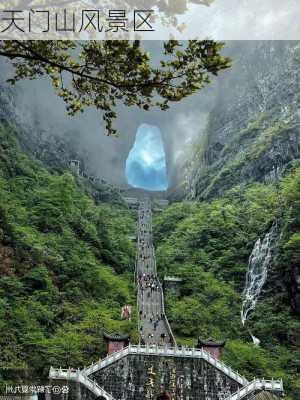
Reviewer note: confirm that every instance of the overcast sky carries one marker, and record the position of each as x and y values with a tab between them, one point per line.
107	156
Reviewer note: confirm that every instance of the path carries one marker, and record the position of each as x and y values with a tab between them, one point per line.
150	302
153	325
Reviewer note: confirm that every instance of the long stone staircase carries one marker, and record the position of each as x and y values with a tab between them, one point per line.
153	324
156	338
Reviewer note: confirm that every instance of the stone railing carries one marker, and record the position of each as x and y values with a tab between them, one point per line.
166	352
163	310
257	385
173	340
162	300
80	377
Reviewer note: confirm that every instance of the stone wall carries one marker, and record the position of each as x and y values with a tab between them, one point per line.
139	377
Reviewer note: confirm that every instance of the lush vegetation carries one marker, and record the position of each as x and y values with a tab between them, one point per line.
66	268
248	156
208	244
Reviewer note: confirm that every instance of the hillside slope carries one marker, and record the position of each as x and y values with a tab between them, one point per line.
66	267
208	244
242	177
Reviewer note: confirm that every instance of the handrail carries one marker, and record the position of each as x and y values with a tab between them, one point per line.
161	291
164	312
80	377
255	385
167	352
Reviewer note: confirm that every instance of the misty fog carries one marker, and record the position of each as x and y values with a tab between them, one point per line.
181	126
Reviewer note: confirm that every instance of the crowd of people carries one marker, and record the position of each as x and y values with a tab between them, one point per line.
148	281
151	317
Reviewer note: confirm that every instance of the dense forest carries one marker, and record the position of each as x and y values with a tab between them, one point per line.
208	244
66	267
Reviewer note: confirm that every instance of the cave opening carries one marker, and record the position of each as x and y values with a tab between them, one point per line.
146	162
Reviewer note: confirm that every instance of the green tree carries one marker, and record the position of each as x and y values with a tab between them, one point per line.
62	286
101	74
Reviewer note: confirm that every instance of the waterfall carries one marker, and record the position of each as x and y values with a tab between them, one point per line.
256	276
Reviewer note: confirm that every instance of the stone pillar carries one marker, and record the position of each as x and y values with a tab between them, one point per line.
48	396
75	166
78	391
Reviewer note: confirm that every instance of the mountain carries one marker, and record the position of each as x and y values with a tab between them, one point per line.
252	132
241	176
207	244
66	265
66	254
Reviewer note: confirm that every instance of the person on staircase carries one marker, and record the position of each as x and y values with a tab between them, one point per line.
164	396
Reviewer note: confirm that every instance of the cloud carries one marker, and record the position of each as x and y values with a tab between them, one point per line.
180	127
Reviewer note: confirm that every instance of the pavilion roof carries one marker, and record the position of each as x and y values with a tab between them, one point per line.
115	337
211	342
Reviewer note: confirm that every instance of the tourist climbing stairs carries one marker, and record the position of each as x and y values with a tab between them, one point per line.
153	325
156	337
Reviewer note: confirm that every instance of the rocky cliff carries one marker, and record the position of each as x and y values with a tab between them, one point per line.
253	128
